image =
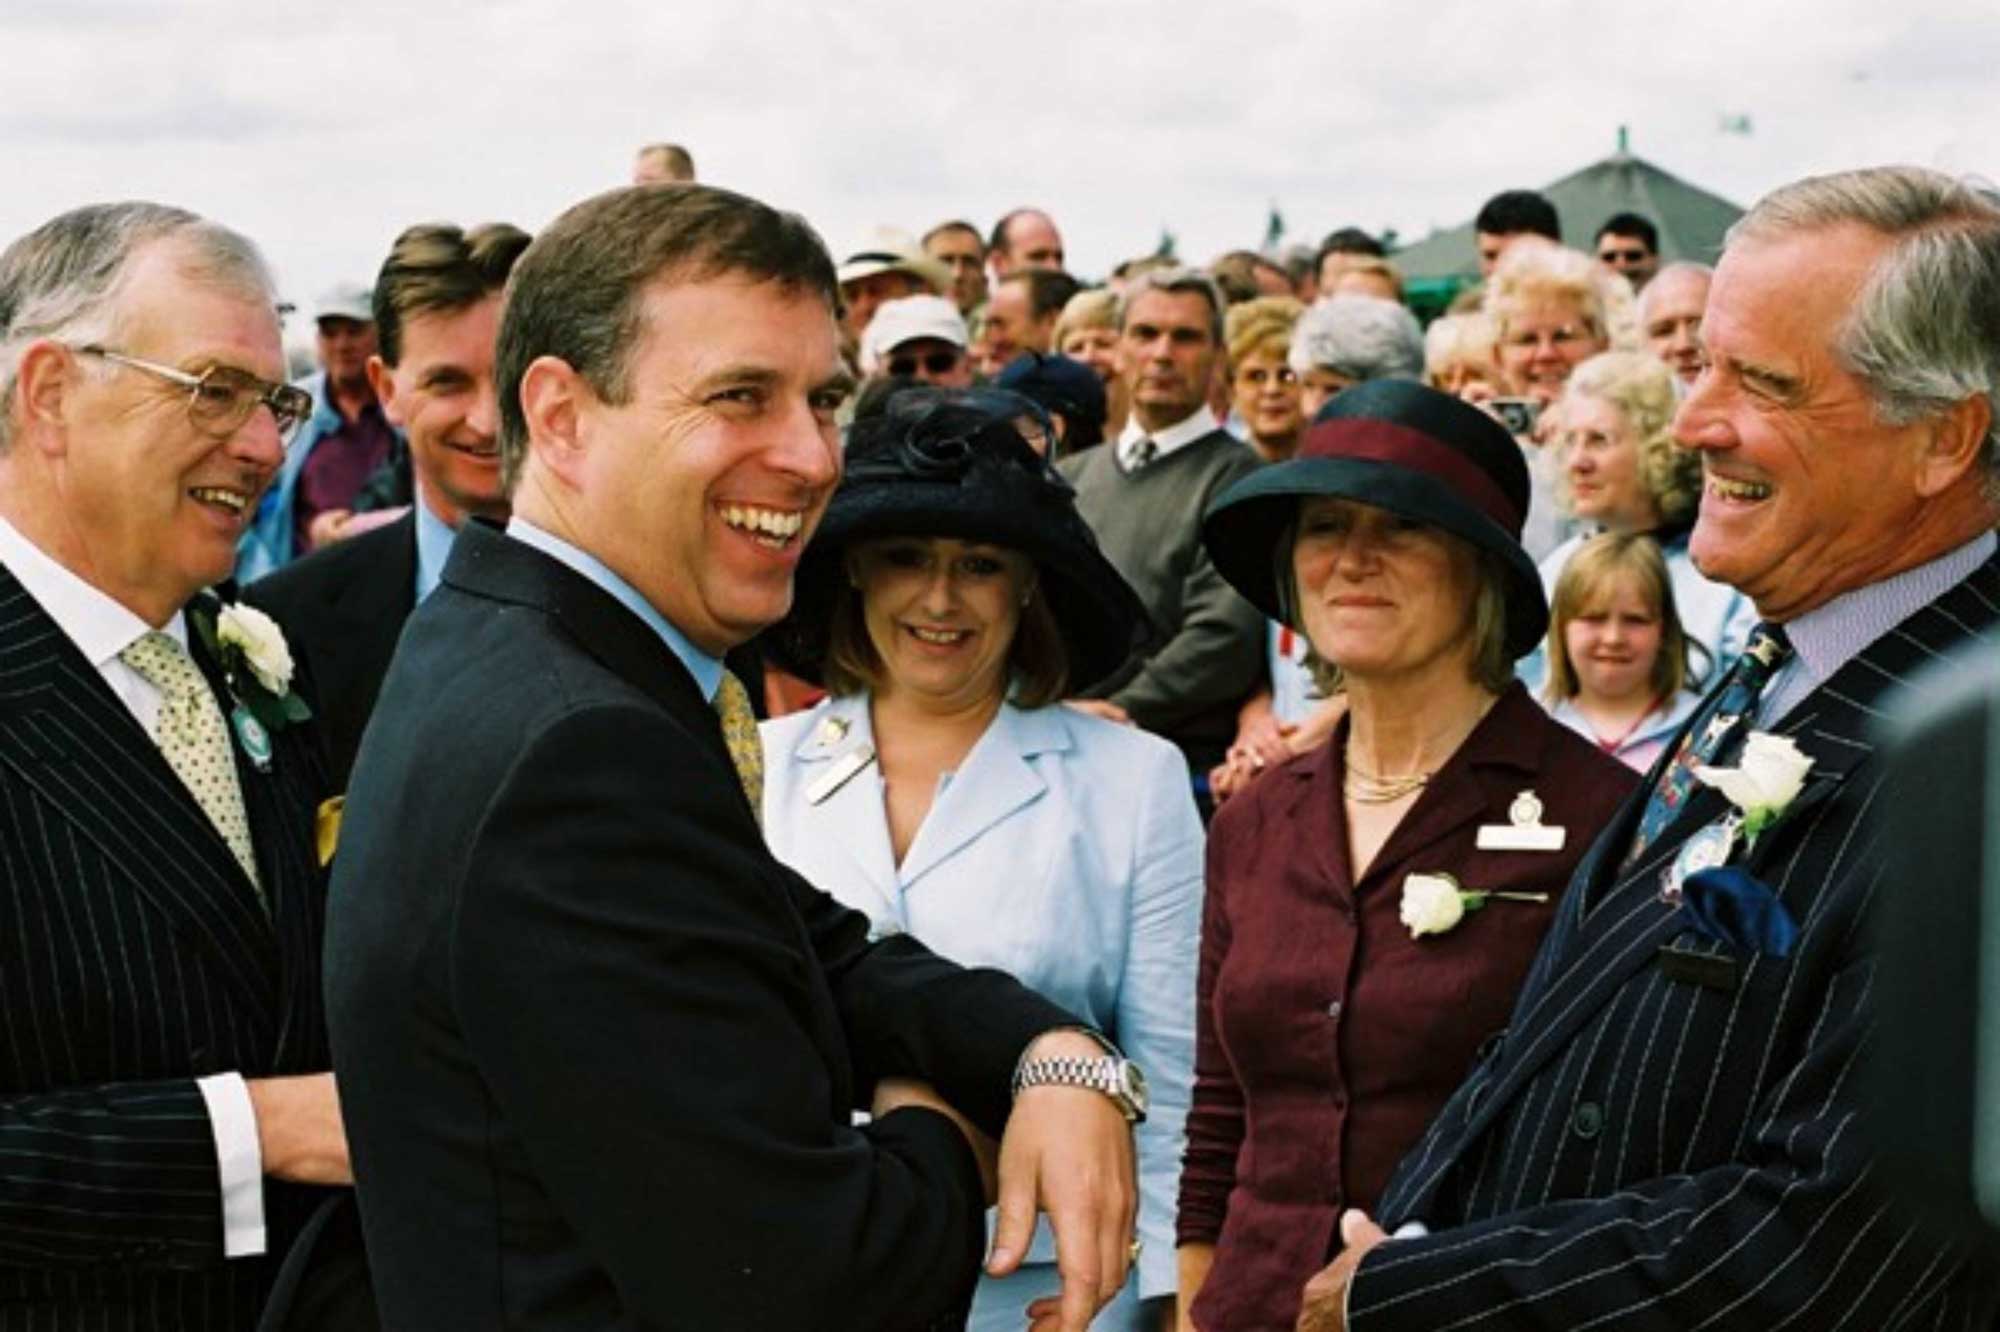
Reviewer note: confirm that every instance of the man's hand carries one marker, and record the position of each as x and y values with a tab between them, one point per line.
1101	707
326	527
1325	1307
299	1129
1068	1152
897	1093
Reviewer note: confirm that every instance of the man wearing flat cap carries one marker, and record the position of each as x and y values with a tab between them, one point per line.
1666	1133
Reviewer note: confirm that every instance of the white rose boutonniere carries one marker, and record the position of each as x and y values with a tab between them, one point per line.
1435	903
261	643
255	660
1764	782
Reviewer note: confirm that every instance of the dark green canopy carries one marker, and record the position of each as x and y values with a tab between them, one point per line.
1691	220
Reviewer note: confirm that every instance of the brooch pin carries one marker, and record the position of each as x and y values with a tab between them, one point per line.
1524	829
1710	848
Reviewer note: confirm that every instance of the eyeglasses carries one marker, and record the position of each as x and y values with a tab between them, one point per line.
933	363
221	398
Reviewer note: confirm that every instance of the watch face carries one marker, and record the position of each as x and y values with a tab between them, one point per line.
1135	1083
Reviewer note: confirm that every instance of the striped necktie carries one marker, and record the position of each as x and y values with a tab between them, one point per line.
1716	730
194	739
739	732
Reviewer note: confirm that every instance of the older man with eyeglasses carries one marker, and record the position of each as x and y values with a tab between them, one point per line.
164	1098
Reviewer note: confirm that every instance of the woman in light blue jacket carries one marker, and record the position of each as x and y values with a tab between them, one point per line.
951	598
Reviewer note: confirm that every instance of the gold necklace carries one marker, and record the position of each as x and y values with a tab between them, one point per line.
1369	788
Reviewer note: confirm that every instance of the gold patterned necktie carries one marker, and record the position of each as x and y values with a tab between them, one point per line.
194	739
739	732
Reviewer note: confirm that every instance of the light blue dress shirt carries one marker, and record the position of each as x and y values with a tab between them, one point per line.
434	540
1828	637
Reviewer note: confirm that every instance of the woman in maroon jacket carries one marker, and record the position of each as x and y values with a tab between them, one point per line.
1373	905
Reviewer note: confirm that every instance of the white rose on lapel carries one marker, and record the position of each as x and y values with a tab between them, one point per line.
257	636
1432	904
1765	780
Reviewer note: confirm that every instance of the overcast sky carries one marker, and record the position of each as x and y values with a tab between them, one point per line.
323	129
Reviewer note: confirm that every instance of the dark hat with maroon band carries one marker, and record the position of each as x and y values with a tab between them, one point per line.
1399	446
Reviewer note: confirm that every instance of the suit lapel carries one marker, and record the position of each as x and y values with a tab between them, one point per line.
1588	957
995	780
69	737
365	614
851	818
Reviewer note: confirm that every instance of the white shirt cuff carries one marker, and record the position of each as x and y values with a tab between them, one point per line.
239	1160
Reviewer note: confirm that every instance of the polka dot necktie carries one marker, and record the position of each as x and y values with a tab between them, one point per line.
194	738
739	732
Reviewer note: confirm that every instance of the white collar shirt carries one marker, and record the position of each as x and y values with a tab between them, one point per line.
1178	435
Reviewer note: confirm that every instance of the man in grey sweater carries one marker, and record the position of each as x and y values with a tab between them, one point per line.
1144	495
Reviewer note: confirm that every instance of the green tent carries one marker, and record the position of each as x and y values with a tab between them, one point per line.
1691	220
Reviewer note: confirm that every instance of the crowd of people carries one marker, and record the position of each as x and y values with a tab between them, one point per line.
684	778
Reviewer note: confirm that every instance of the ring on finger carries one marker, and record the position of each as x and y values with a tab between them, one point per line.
1132	1254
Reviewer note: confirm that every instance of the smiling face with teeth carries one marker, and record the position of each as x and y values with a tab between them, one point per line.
124	490
941	615
701	490
440	392
1807	493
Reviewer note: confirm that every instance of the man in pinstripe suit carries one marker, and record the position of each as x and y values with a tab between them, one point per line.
162	1041
1665	1135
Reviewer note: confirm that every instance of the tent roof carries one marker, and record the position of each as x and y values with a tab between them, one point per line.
1691	220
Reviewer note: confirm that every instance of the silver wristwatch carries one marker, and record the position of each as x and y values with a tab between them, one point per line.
1114	1075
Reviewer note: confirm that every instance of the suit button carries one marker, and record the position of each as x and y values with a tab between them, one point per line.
1588	1121
1333	1009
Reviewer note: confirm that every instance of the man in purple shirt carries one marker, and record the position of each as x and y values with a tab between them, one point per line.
341	459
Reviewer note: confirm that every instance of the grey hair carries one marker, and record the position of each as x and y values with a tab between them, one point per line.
1359	337
63	279
1924	334
1678	268
1174	282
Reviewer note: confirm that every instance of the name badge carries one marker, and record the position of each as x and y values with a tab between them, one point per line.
1524	829
840	774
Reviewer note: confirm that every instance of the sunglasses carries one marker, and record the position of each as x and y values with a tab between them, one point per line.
934	363
222	397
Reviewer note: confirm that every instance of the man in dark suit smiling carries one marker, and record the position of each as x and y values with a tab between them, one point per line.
1666	1136
598	1049
437	310
162	1048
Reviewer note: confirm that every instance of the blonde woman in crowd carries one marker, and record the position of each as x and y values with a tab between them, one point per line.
1264	389
1620	471
1552	309
1087	331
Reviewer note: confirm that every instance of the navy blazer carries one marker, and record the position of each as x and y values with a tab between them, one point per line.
1671	1141
598	1050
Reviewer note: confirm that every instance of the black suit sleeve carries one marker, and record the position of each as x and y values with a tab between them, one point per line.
124	1173
637	988
1795	1233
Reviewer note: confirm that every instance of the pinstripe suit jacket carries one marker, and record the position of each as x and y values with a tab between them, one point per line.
1639	1151
134	958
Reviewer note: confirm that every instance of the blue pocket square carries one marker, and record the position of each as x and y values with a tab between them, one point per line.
1731	905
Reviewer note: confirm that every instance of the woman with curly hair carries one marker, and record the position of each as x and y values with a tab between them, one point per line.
1620	471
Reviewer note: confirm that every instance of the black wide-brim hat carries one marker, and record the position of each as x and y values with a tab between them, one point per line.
1399	446
920	471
